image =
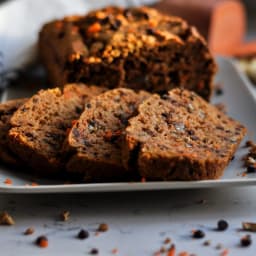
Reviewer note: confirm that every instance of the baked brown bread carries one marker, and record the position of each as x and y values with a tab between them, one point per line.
6	111
96	138
39	127
137	48
180	137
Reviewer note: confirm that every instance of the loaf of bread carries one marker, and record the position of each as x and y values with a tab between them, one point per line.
6	111
137	48
40	126
179	136
96	138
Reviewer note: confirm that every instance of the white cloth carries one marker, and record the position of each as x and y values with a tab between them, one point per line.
21	20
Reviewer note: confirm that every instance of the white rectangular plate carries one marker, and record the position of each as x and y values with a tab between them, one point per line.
239	99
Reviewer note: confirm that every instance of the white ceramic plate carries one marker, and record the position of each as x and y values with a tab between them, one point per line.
239	99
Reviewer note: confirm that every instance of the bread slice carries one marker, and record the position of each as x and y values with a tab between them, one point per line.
39	127
6	111
180	137
97	136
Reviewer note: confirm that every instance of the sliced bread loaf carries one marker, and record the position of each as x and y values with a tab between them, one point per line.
180	137
96	137
6	111
39	127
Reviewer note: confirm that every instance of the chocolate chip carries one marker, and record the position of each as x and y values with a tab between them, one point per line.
198	234
78	110
218	91
150	31
94	251
251	169
123	119
115	24
83	234
105	20
165	97
191	132
222	225
246	241
207	243
194	137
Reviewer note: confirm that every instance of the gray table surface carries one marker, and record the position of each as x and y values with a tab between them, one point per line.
138	222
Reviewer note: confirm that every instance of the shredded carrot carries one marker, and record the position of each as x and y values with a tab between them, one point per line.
68	131
152	23
73	122
94	28
225	252
43	243
244	174
115	251
100	15
171	251
183	254
8	181
74	30
143	179
59	24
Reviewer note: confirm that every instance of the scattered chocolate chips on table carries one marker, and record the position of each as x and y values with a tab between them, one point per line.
222	225
94	251
218	89
198	234
83	234
207	243
246	241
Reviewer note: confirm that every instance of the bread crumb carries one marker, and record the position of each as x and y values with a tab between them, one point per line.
64	216
167	240
29	231
6	219
103	227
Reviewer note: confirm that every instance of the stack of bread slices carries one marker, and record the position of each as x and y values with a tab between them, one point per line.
98	135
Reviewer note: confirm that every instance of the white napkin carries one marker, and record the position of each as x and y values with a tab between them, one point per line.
21	20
